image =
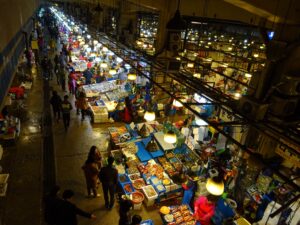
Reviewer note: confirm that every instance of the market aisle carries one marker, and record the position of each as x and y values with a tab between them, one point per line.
24	162
71	149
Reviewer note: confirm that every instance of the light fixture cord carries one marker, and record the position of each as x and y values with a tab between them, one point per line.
178	4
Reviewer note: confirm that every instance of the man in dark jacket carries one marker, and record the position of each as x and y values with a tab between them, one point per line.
67	211
88	76
56	101
109	179
66	107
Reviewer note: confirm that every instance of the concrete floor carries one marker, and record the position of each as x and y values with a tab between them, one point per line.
25	161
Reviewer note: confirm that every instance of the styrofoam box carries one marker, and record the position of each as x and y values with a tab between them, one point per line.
149	201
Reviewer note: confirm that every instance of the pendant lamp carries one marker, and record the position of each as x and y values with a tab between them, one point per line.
152	146
200	122
170	137
215	184
176	23
131	76
98	8
177	103
112	72
149	115
103	65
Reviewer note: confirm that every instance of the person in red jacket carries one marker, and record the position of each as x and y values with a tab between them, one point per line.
204	209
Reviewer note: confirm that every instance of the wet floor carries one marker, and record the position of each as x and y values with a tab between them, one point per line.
30	162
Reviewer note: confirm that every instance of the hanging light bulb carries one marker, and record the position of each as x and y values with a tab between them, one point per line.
215	186
127	66
170	137
119	60
237	95
255	55
149	116
112	72
200	122
88	36
197	75
190	65
131	76
103	65
248	75
177	103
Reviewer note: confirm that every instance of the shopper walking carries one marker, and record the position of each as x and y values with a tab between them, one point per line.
67	211
61	76
91	171
45	67
56	102
95	154
109	178
66	109
82	104
51	202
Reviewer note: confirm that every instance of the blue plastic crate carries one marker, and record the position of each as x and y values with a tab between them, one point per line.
147	222
126	180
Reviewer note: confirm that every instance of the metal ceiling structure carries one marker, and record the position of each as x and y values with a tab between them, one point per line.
193	85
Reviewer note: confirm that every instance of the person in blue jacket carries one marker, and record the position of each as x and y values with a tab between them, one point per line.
88	76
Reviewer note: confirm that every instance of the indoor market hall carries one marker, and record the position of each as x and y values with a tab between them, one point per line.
143	112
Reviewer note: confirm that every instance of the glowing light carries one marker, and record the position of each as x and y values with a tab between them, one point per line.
103	65
112	72
177	103
197	75
248	75
131	76
237	95
149	116
200	122
170	137
190	65
215	187
119	60
255	55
